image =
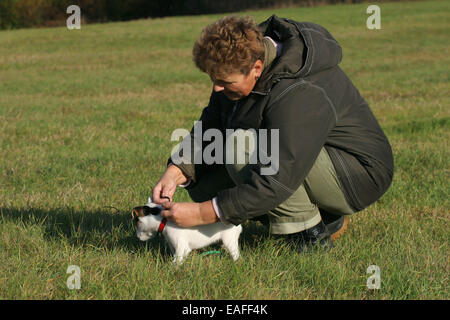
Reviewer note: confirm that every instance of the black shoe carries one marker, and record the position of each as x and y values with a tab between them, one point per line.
336	224
314	237
264	219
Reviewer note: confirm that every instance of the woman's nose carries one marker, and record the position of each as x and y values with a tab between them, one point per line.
218	88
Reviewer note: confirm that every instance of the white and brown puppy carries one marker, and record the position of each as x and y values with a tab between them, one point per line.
149	221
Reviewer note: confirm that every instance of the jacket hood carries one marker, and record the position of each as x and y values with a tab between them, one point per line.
307	49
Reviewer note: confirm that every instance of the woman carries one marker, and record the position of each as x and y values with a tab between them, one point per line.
333	157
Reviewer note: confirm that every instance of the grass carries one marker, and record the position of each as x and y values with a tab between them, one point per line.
85	124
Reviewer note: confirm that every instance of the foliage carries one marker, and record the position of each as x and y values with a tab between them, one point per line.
30	13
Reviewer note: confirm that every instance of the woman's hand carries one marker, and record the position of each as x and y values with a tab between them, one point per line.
167	184
188	214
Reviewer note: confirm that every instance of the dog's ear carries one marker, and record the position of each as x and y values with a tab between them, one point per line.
135	213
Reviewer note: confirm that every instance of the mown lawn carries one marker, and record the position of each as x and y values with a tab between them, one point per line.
85	124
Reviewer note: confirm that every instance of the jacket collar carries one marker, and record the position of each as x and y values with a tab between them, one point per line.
289	62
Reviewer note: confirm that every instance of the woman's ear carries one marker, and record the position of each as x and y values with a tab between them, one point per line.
258	68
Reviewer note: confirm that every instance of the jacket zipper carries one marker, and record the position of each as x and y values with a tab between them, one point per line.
232	113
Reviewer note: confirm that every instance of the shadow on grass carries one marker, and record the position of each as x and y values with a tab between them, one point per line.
105	229
99	228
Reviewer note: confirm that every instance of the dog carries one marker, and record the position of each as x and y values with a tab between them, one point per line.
148	222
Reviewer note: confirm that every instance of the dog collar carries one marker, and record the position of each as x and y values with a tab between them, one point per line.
162	225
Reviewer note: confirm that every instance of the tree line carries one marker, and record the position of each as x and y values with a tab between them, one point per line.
35	13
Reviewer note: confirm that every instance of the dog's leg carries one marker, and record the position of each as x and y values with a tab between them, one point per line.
181	252
231	244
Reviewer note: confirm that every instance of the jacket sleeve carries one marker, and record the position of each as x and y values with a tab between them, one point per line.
304	116
210	118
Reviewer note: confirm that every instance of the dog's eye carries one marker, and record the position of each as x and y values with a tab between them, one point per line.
154	211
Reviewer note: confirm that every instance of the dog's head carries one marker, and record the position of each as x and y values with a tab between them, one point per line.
145	220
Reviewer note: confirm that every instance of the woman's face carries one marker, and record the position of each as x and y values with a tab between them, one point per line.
237	85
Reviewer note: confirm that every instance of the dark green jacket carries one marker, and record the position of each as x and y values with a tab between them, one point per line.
313	103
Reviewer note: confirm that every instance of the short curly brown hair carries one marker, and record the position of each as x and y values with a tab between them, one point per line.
229	45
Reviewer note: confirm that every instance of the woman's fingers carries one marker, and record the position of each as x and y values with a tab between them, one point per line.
156	192
163	191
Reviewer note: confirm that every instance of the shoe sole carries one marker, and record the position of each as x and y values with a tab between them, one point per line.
337	234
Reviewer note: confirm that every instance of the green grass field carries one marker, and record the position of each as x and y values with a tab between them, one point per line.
85	124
